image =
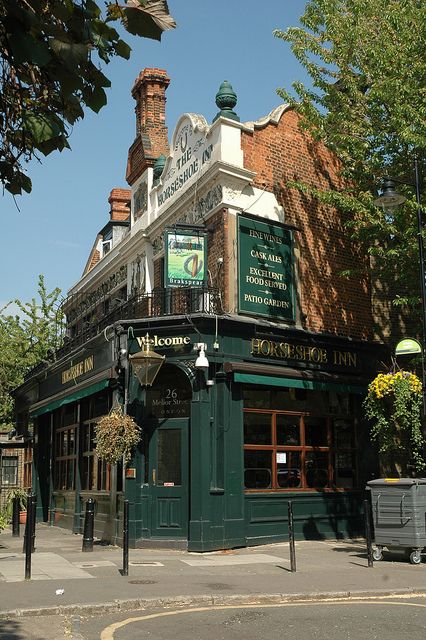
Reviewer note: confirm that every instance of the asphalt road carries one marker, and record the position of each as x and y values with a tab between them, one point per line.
381	619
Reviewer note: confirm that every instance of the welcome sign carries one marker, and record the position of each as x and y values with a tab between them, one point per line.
265	269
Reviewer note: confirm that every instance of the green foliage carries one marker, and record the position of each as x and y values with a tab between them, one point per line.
116	436
368	104
394	405
19	493
50	57
4	520
26	340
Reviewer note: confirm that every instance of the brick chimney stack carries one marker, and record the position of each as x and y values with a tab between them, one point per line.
151	141
119	200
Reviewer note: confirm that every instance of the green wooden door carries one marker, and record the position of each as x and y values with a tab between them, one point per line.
168	479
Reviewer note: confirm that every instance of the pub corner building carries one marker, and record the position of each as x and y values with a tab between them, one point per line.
213	261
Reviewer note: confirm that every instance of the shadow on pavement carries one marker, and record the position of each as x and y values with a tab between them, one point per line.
11	630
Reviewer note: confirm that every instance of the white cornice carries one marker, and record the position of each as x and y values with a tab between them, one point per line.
273	117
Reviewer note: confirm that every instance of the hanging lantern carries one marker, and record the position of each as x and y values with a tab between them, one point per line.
146	363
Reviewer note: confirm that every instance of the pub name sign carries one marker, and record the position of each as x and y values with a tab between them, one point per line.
304	353
77	370
191	151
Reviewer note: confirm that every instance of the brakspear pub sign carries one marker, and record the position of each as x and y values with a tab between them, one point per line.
185	263
265	269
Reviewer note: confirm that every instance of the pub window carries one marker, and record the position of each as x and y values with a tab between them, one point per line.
95	473
169	449
65	448
285	450
9	471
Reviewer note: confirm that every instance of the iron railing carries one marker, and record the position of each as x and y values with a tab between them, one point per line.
159	303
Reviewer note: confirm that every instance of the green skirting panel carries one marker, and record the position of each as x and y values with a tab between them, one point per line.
317	516
298	383
73	397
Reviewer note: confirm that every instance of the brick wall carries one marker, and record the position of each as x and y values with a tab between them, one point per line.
119	200
216	250
330	303
216	228
24	457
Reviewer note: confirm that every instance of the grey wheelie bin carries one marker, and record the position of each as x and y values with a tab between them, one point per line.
399	516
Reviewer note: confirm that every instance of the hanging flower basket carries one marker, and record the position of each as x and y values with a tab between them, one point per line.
117	434
394	405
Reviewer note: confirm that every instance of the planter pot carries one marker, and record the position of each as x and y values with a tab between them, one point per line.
22	517
54	516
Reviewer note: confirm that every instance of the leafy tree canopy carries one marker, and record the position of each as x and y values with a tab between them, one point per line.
367	102
26	339
51	53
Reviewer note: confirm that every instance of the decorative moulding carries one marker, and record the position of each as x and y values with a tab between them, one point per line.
273	117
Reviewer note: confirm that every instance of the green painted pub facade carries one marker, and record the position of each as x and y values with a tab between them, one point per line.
278	418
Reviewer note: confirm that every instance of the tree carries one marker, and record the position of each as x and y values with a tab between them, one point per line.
51	53
26	340
368	104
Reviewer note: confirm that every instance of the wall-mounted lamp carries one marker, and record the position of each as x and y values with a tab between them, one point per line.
146	363
201	362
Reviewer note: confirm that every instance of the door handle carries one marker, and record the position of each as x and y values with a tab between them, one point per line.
154	476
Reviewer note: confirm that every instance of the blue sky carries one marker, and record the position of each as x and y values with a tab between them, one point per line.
54	229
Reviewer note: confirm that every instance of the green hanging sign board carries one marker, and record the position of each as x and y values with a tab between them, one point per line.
185	258
265	269
408	346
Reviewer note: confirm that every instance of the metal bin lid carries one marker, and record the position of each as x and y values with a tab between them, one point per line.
395	481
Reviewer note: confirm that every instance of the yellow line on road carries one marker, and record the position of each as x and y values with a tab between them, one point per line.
108	632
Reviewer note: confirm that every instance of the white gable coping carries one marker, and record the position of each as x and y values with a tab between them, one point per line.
273	117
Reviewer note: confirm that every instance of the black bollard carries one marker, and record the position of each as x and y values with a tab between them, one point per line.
291	537
28	532
16	503
368	537
33	507
125	570
28	543
89	523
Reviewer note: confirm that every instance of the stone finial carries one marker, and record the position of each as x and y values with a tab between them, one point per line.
226	99
158	167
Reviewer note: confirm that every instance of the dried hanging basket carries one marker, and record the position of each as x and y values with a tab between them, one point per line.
117	435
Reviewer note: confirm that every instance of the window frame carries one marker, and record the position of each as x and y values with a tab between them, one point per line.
330	449
98	471
15	466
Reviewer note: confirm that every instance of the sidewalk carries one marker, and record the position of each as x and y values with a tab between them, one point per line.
91	581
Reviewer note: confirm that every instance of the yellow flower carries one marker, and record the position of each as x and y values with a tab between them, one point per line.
384	383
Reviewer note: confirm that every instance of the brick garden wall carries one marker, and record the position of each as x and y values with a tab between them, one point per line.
329	302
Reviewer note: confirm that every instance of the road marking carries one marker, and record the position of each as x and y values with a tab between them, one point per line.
216	561
108	632
143	563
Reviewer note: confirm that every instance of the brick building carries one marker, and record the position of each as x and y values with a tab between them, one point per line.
213	260
15	464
